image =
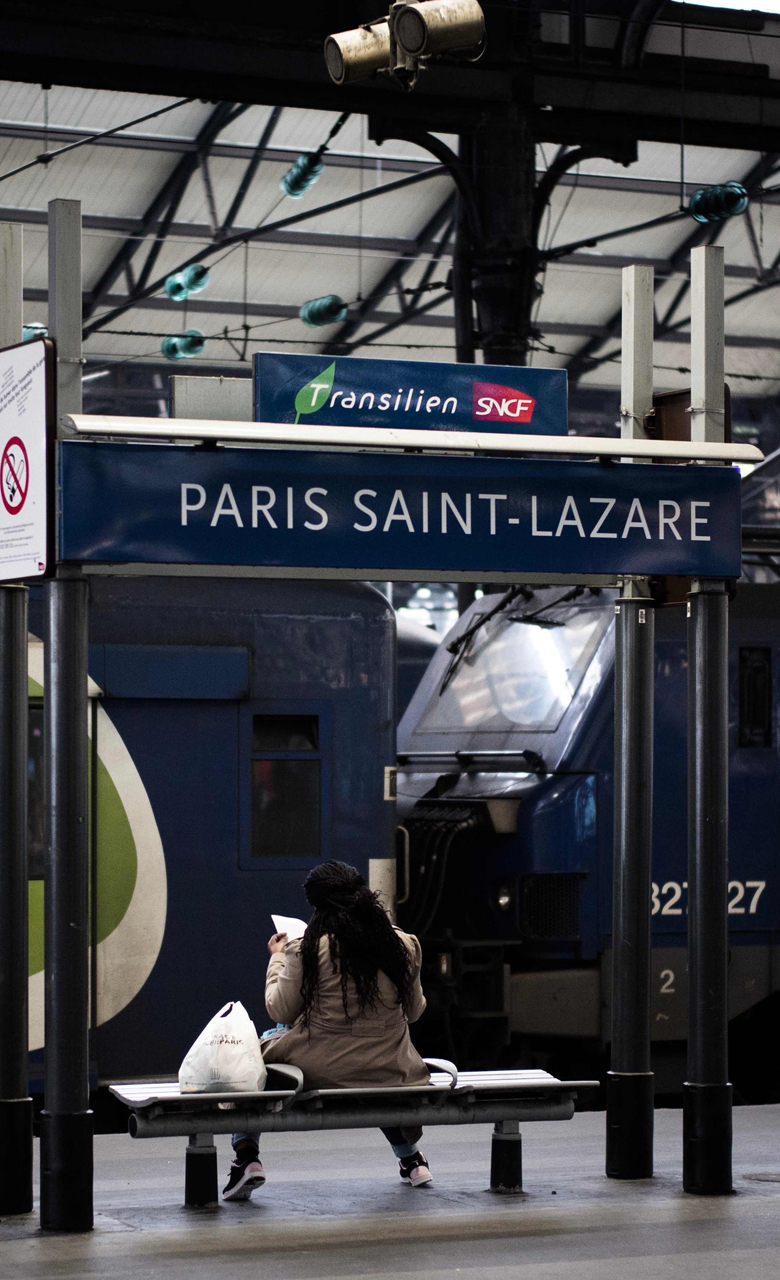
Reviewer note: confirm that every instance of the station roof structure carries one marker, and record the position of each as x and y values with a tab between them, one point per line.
163	189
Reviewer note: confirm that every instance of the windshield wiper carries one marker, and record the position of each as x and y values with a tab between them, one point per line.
535	618
460	646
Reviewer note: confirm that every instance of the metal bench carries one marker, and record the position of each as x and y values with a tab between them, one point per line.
502	1098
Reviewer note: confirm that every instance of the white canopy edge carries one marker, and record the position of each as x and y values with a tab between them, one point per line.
385	438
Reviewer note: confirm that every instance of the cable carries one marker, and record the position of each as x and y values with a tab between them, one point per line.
47	156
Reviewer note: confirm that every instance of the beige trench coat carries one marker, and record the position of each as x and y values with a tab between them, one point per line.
373	1049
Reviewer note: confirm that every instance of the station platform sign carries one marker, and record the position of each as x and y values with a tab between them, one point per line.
348	391
27	430
332	512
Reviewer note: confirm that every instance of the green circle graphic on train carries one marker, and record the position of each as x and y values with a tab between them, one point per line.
130	877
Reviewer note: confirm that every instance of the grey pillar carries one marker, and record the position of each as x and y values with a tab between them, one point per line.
707	1092
16	1139
630	1080
66	1122
65	300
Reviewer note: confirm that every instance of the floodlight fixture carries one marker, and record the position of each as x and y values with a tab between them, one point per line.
354	55
401	44
438	26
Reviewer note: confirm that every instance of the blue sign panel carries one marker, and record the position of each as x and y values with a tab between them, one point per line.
349	392
172	505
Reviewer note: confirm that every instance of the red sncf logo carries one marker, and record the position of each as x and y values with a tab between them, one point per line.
493	403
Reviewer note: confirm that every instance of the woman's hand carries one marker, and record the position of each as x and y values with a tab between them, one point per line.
277	942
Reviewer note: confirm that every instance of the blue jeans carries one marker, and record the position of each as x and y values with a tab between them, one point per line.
404	1141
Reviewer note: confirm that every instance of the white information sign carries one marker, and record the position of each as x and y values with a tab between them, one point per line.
26	415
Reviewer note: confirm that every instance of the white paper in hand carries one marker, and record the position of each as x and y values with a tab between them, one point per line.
293	927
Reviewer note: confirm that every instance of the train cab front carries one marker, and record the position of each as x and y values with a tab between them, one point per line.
500	756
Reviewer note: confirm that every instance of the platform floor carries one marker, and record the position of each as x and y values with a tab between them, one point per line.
333	1207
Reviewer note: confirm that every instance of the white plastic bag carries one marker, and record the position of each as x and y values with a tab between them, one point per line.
226	1056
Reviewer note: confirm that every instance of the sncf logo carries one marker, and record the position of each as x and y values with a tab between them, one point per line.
494	403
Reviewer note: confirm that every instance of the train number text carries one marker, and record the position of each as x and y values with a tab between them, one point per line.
670	899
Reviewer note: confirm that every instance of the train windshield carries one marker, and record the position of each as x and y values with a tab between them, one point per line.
521	668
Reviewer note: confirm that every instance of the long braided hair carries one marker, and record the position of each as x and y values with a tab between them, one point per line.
362	940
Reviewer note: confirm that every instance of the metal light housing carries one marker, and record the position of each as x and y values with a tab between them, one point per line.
354	55
438	26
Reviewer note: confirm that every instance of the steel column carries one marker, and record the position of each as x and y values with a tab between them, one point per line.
16	1140
630	1081
66	1122
707	1093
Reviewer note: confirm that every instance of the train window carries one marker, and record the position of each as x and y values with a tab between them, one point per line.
35	792
286	787
755	697
285	733
285	808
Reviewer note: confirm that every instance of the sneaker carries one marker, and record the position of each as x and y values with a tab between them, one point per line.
244	1177
415	1171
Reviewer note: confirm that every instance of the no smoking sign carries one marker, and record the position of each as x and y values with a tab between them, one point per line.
14	476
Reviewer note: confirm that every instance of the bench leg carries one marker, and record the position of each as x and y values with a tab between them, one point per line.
506	1158
200	1172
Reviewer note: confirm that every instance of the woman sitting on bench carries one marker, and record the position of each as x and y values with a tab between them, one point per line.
349	989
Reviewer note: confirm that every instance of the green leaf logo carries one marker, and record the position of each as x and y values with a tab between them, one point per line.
313	395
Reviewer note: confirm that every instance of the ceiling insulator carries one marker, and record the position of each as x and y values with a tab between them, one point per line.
191	280
34	330
183	346
716	204
302	175
322	311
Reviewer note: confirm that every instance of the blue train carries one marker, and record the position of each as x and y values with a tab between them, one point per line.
241	730
505	799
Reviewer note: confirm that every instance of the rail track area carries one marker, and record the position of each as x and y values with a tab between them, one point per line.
331	1208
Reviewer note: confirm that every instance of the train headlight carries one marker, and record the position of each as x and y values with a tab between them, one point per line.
504	897
437	26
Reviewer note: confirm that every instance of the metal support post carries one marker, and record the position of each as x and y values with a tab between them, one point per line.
16	1137
66	1122
200	1172
10	283
636	390
506	1158
65	300
707	1092
630	1080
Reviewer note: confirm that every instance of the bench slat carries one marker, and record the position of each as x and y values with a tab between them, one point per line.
162	1093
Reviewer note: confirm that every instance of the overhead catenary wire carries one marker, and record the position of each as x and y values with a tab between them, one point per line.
46	157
